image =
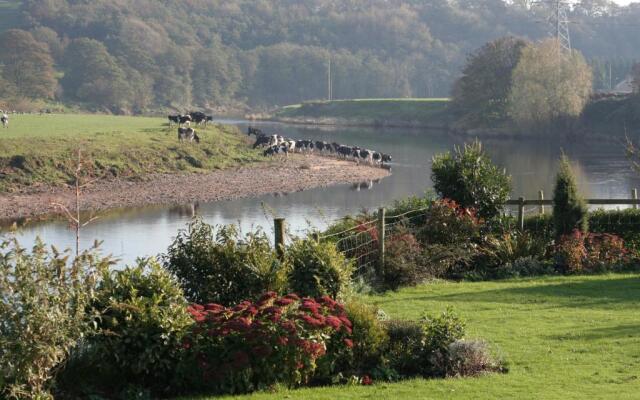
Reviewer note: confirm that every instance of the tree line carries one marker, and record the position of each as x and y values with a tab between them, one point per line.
144	55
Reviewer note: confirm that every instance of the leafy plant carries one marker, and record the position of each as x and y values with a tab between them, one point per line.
447	222
570	211
217	265
469	177
318	269
254	346
402	261
42	313
471	358
142	318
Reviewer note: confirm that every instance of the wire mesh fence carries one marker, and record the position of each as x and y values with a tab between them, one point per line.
365	238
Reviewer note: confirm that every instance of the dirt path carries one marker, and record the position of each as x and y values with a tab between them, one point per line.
296	174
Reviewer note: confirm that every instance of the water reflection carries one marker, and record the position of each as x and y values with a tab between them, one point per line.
602	171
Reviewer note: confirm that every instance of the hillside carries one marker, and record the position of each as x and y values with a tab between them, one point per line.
142	56
370	112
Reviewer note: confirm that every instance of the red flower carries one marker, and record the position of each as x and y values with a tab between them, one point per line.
285	301
348	343
292	296
333	322
366	380
213	307
345	321
283	340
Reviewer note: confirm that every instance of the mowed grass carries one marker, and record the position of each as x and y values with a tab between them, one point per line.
421	110
40	149
564	338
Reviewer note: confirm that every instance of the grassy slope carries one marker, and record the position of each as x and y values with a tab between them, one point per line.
565	338
420	110
38	148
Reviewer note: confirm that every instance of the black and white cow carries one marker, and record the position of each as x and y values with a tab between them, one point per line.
198	117
262	140
184	119
254	131
5	120
188	134
174	119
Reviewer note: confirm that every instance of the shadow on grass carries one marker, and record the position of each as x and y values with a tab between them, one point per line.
589	292
611	332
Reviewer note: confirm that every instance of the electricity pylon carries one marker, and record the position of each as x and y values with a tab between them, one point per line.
559	26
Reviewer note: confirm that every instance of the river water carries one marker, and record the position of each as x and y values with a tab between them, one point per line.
602	169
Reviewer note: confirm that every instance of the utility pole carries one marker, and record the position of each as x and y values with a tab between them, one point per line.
329	85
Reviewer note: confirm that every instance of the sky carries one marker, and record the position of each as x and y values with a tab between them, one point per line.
625	2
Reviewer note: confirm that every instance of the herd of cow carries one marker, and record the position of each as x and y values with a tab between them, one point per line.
278	145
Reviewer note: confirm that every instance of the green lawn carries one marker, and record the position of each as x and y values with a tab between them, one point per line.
38	149
421	110
564	337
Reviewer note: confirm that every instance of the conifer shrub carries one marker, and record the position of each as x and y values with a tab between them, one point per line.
570	211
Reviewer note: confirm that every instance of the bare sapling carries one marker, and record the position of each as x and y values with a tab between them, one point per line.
72	213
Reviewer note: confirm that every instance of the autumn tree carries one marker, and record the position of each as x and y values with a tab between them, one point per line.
548	85
94	76
481	94
27	65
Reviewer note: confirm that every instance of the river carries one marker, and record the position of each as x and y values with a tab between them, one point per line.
602	169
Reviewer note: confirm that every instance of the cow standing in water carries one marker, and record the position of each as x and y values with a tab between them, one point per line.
5	120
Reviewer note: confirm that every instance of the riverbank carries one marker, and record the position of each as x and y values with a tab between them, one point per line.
294	174
405	113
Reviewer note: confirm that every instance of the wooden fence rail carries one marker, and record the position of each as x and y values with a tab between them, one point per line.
381	224
541	202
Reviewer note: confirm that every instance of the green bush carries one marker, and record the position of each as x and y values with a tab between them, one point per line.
406	351
623	223
469	177
317	269
526	267
142	319
216	265
366	357
570	211
42	314
497	253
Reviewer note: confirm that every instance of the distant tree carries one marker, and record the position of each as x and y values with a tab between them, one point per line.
215	75
92	75
27	65
570	211
548	86
481	94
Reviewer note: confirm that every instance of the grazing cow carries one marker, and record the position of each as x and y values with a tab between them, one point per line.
344	151
208	119
183	119
278	149
366	156
174	119
188	134
386	158
261	140
198	117
5	120
254	131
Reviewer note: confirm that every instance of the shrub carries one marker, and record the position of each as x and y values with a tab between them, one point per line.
254	346
448	223
449	261
571	252
42	314
470	178
318	269
623	223
581	252
570	211
406	350
527	266
499	252
142	318
402	261
366	357
216	265
471	358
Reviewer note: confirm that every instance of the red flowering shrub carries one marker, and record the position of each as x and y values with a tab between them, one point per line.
253	346
449	223
590	252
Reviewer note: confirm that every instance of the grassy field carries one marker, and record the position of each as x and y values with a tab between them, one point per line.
375	110
38	149
564	337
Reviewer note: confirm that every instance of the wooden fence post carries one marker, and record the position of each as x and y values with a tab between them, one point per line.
382	212
521	213
634	196
541	198
279	229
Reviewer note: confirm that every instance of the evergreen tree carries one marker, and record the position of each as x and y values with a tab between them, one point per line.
570	211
